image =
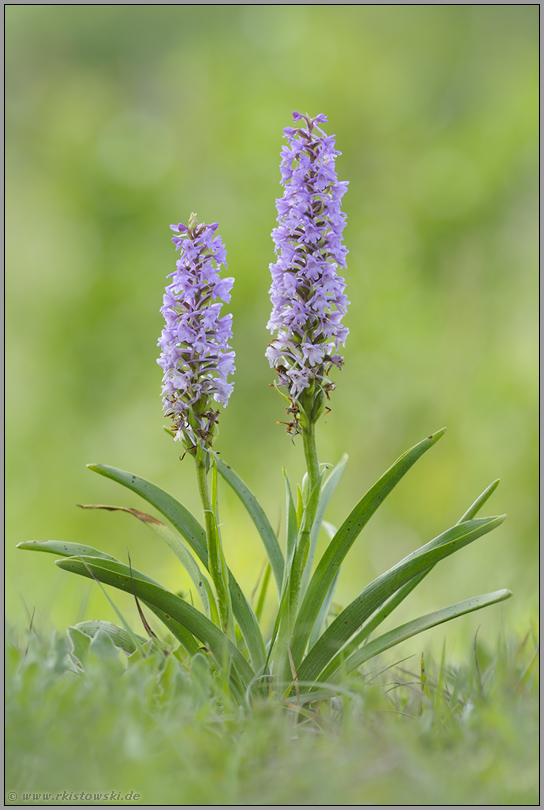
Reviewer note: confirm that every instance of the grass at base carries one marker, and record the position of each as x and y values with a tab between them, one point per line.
154	726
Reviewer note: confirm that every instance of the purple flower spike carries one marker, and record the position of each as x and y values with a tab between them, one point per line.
307	293
196	356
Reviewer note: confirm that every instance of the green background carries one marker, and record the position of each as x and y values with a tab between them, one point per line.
123	119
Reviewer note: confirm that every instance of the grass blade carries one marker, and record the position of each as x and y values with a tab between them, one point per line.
378	591
291	529
343	541
258	517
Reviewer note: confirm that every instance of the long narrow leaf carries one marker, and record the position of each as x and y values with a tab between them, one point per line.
323	611
258	517
378	591
326	494
480	501
185	638
126	625
64	549
326	606
77	550
394	601
264	589
192	531
290	529
187	525
343	541
119	576
416	626
176	544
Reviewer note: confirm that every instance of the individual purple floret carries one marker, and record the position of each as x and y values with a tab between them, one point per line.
307	293
196	356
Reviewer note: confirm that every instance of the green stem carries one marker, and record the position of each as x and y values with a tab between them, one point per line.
301	552
216	560
310	452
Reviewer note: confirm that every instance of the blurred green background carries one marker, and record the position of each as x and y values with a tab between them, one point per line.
123	119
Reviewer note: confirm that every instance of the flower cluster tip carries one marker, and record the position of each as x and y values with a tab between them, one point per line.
195	353
307	293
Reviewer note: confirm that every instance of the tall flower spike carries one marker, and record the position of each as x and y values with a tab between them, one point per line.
307	293
196	356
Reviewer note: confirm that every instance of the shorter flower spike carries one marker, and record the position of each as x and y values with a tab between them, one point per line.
307	293
195	352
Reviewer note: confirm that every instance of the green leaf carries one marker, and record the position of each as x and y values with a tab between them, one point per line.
303	544
416	626
388	607
64	549
192	531
120	576
343	541
326	606
378	591
394	601
187	525
264	589
186	639
126	625
290	529
102	649
479	502
216	558
80	642
179	548
259	518
119	636
77	550
326	494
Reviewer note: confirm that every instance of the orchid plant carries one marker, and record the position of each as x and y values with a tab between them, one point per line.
308	651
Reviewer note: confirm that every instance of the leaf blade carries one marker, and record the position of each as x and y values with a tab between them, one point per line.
189	528
121	577
419	625
259	518
344	539
187	525
174	543
397	598
324	653
327	492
